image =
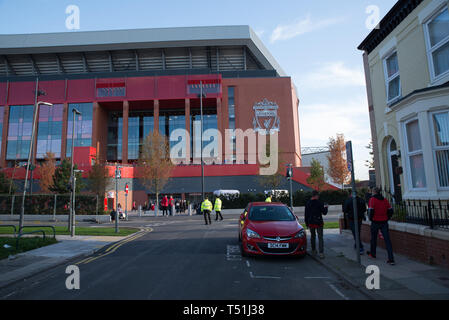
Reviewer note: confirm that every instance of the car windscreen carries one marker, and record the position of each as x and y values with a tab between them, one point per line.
271	213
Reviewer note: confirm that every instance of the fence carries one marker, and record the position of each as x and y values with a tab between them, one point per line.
432	213
50	204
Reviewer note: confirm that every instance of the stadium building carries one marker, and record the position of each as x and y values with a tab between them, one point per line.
127	83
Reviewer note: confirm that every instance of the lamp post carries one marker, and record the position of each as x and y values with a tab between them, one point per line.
72	194
117	176
290	177
201	140
36	112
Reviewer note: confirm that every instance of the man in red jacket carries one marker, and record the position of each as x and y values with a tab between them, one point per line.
164	204
379	212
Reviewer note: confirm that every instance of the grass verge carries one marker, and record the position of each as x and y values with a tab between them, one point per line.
330	225
25	244
79	231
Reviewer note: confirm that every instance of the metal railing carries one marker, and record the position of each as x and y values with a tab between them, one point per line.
50	204
19	236
432	213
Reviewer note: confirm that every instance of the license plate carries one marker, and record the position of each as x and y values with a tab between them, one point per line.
278	245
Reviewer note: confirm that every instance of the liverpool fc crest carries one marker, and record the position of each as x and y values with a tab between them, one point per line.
266	120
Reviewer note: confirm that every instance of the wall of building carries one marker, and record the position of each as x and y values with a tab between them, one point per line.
409	41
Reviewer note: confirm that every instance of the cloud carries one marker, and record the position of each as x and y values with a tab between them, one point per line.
320	121
331	75
285	32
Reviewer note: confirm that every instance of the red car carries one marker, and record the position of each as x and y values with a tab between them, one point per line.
271	229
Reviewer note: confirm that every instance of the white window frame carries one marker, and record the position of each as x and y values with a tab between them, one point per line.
413	153
430	49
393	77
436	148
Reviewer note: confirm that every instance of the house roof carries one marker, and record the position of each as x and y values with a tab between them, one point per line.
391	20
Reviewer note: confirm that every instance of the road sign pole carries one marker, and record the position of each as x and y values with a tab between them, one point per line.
126	202
350	160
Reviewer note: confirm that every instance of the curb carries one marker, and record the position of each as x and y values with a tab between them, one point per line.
50	267
59	263
345	278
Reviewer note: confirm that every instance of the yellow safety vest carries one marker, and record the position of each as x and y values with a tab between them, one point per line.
206	205
268	199
217	206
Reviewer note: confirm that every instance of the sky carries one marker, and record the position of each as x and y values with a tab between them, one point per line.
315	42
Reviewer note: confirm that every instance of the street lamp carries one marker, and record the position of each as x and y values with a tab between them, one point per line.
72	195
201	140
73	209
36	112
290	177
117	176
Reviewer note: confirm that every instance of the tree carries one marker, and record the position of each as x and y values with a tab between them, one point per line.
5	184
99	178
154	164
47	171
370	163
61	178
338	170
316	178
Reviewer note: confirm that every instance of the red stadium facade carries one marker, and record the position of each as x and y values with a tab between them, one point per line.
125	90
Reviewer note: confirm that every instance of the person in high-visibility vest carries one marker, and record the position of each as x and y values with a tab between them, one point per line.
268	199
206	208
217	208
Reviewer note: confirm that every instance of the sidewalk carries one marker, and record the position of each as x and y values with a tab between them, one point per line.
27	264
407	280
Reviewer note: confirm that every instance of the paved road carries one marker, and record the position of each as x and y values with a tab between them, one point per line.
181	258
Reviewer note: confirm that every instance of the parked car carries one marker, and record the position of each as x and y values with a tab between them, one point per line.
271	229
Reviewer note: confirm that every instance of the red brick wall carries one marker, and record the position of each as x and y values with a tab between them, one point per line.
417	247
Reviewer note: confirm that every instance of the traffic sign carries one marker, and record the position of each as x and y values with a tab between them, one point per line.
349	155
126	189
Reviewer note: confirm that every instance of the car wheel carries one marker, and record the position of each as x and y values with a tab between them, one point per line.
244	254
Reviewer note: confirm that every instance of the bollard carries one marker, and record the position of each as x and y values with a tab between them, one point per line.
190	209
140	210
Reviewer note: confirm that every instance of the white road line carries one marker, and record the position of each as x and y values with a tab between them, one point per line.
337	291
262	277
247	263
316	278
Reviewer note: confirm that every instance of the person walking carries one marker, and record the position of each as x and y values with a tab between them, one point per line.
164	204
217	208
171	202
348	209
206	208
313	216
379	212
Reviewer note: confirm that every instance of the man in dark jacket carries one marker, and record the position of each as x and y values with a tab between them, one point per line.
379	212
348	209
313	217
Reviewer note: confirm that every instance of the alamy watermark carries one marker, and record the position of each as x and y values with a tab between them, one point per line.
262	147
373	19
73	280
373	280
72	22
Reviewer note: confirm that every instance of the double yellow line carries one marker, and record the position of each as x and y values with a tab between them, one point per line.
115	246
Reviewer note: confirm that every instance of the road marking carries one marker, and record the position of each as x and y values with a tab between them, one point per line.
114	247
262	277
316	278
337	291
233	253
247	263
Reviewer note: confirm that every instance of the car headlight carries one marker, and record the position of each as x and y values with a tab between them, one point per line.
251	234
300	234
